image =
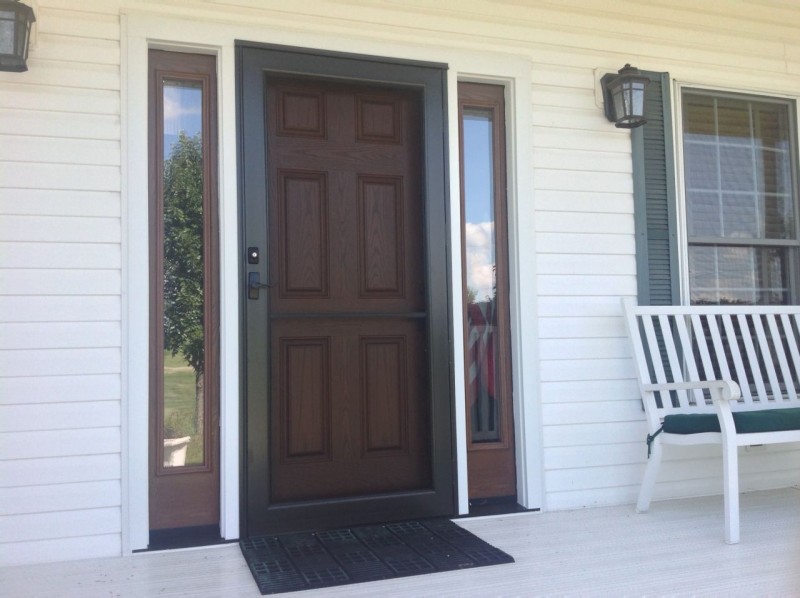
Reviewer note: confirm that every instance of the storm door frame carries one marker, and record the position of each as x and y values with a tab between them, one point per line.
431	80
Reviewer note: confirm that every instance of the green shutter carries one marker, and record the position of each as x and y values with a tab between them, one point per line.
654	198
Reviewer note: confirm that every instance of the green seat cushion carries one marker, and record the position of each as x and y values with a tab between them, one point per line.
747	422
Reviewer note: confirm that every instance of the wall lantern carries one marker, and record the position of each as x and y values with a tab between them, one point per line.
623	96
15	32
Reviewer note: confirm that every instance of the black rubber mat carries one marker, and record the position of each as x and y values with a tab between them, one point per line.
308	560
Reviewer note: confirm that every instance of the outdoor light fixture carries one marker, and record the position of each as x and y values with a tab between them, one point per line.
623	95
15	32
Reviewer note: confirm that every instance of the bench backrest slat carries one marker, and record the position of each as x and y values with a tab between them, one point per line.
689	357
766	350
758	347
785	332
705	355
732	343
675	366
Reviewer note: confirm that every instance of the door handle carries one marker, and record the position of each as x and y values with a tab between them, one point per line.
254	285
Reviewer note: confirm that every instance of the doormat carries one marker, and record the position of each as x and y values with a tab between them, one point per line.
310	560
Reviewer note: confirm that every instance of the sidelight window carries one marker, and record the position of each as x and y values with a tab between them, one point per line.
489	406
183	260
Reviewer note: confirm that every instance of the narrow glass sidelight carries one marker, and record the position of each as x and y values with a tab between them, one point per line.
491	464
480	270
184	383
184	293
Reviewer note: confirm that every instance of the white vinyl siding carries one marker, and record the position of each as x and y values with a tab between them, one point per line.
60	345
61	229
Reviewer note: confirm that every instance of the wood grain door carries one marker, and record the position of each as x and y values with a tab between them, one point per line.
347	405
347	297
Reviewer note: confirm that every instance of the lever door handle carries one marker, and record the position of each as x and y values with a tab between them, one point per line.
254	285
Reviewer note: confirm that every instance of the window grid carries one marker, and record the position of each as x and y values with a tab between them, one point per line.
741	201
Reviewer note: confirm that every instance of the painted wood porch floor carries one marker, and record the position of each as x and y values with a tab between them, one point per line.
676	549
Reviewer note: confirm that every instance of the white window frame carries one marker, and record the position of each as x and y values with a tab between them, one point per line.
680	188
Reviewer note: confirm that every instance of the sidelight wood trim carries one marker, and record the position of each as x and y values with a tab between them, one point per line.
484	471
198	483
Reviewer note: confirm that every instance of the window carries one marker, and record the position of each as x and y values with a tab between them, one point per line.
741	198
184	282
484	230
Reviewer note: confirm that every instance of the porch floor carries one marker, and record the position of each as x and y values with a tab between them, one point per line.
676	549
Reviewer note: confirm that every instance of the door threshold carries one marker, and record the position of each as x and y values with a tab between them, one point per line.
184	537
504	505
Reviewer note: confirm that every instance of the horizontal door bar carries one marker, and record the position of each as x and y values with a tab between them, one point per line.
411	315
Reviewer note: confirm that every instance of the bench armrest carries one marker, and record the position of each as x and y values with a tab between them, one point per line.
727	390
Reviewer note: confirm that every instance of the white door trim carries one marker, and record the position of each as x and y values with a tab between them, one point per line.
142	31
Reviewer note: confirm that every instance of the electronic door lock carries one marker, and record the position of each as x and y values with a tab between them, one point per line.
253	255
254	285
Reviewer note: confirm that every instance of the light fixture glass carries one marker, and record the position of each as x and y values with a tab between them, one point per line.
623	95
15	32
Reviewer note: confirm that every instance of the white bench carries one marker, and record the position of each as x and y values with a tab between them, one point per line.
716	375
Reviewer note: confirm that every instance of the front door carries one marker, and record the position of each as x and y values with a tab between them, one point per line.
341	403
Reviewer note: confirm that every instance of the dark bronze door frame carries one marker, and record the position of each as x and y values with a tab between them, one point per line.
260	514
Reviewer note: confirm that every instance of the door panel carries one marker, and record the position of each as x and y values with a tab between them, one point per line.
345	206
349	408
346	228
347	383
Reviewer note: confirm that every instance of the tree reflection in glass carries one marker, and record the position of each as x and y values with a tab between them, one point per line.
183	275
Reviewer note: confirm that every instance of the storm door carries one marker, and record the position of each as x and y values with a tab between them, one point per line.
347	419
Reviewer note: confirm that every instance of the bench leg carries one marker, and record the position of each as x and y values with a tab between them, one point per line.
650	476
730	481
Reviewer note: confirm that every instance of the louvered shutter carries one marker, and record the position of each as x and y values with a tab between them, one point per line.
654	198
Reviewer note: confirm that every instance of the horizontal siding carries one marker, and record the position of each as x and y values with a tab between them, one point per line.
599	242
61	176
59	202
564	347
61	282
59	362
59	335
60	296
60	308
51	389
66	497
62	48
92	22
59	416
59	470
61	150
38	123
585	391
60	524
60	443
102	256
62	548
61	229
